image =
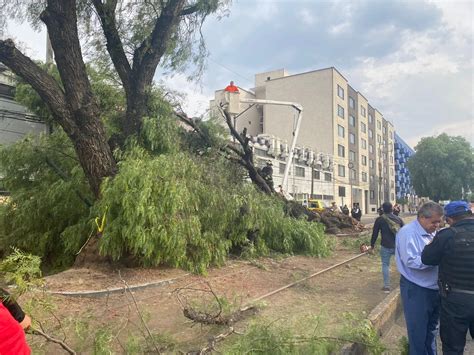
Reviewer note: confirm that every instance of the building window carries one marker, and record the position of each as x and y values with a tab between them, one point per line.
379	138
391	134
391	159
393	196
327	177
352	174
384	156
341	170
371	148
340	131
363	127
372	194
384	129
351	102
341	151
340	111
364	160
340	92
364	177
352	138
371	178
352	155
371	133
316	175
391	171
362	110
281	168
363	143
371	163
342	191
371	119
379	125
385	170
352	121
299	171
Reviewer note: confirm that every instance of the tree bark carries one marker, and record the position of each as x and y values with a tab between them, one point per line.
89	138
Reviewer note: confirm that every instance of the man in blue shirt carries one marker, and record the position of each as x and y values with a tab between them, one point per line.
418	282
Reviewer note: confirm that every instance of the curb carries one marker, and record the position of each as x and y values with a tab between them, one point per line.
104	292
382	317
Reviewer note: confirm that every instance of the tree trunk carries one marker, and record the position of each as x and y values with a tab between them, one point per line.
94	154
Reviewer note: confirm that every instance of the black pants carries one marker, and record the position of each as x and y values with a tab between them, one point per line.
457	316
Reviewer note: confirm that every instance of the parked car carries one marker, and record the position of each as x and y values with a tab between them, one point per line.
316	205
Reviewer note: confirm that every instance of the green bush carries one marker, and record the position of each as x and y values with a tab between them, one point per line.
42	204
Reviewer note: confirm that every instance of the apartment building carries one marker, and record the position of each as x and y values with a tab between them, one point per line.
341	135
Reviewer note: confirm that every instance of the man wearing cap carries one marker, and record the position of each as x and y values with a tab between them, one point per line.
453	250
419	282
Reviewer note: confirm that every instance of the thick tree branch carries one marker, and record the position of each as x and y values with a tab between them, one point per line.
189	10
60	18
106	13
43	83
148	54
247	155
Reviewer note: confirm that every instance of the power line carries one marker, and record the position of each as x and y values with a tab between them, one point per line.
232	71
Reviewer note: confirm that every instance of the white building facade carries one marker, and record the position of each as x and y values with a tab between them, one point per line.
344	147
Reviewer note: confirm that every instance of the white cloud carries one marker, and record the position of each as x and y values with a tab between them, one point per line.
426	85
307	17
30	42
196	101
460	128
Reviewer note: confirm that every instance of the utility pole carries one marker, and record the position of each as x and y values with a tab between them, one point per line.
351	167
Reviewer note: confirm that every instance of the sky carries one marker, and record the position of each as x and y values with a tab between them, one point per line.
413	60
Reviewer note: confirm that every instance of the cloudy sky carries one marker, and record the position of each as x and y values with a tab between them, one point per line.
413	60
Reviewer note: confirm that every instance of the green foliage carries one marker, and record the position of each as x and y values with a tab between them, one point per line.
276	338
21	270
42	205
160	132
356	242
403	346
360	330
442	167
102	342
173	209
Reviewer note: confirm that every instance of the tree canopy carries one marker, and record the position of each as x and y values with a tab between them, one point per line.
442	167
130	39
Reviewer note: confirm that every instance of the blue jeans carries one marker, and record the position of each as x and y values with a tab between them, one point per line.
385	255
421	307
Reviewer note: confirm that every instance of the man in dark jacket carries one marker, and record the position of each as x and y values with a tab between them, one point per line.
388	225
453	250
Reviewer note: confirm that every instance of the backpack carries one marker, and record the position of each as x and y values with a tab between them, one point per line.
392	225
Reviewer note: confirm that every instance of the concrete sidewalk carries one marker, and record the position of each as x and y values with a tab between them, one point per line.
398	330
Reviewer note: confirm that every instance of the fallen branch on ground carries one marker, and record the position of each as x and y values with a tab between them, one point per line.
53	340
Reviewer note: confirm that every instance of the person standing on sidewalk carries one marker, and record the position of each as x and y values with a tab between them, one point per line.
388	225
453	250
418	282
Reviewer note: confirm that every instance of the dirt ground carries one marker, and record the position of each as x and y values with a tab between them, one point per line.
87	323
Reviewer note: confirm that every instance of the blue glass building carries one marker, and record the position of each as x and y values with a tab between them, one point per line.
403	184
